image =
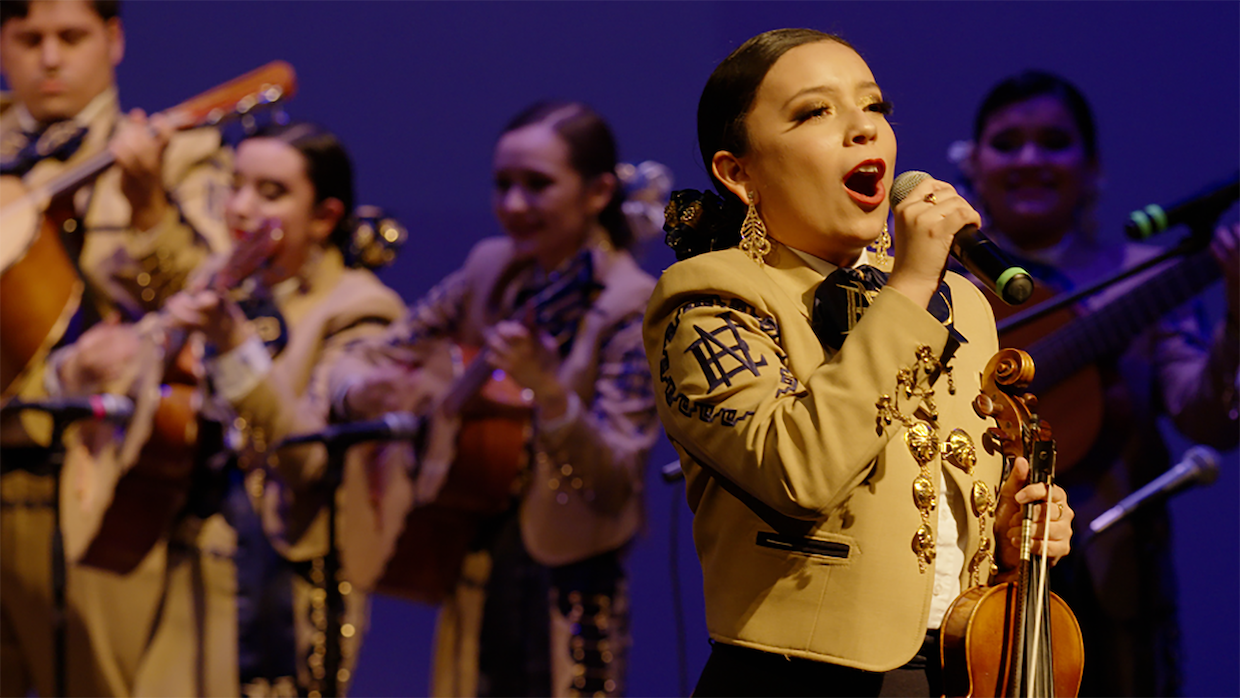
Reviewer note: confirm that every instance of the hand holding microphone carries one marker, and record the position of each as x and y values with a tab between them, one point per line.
967	244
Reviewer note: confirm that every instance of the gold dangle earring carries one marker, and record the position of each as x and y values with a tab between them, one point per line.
881	245
753	234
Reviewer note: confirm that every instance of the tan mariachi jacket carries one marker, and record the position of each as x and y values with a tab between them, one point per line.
583	496
805	518
125	268
334	306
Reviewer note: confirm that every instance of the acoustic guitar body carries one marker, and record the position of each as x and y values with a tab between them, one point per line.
116	534
39	288
394	545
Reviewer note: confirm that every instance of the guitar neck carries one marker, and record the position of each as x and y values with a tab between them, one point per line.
468	383
1112	327
69	181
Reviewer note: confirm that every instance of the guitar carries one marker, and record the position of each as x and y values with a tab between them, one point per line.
1066	346
120	495
1014	638
40	289
395	544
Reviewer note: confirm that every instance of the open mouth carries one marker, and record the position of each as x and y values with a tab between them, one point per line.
864	182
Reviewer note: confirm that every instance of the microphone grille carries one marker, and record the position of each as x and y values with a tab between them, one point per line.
905	183
1205	463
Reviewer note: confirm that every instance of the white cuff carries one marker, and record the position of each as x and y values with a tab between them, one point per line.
552	427
241	369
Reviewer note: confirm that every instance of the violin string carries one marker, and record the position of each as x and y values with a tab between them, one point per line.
1039	607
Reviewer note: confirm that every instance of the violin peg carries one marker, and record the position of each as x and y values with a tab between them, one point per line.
983	405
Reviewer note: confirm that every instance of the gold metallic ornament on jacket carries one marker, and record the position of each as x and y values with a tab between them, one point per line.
753	234
922	443
958	449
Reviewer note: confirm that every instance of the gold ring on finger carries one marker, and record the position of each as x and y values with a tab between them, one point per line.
931	199
1060	505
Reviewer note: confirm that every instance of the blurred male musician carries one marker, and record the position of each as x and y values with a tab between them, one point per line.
1034	169
138	229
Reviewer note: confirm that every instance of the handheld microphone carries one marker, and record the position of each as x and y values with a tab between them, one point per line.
393	426
1204	207
104	406
1199	467
975	251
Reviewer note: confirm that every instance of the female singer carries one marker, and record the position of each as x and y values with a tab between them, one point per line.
1034	169
553	618
268	357
841	496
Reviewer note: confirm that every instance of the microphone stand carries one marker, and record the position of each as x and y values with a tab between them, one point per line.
1196	240
51	468
333	658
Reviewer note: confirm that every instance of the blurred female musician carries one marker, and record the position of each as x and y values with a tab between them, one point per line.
841	500
258	616
1034	169
553	618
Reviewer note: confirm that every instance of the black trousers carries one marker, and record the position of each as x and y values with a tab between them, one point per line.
741	671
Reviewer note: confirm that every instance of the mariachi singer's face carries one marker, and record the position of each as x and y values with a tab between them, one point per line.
59	57
821	153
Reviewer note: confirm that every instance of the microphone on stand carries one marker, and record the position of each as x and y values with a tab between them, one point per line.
1203	207
103	406
393	426
975	251
1199	467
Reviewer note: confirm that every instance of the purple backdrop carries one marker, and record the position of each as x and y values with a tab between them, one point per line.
418	92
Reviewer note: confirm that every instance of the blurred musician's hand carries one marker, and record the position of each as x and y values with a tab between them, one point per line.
531	359
139	146
101	356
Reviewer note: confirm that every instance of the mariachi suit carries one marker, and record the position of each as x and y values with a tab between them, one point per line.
331	307
800	483
582	499
132	271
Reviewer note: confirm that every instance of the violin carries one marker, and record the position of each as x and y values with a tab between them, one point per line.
1015	638
111	517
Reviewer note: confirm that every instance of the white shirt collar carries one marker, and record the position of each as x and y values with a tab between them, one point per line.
824	267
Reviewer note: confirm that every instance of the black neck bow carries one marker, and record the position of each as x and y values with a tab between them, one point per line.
842	298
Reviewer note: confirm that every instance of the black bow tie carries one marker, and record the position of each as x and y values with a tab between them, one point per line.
20	151
842	298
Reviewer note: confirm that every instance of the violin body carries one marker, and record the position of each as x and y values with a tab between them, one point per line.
975	643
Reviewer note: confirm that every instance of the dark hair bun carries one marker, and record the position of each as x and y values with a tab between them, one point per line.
697	222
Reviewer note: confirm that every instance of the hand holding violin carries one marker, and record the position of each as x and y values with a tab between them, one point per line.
1012	496
212	313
